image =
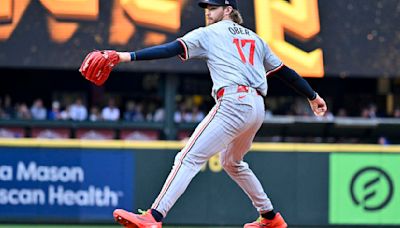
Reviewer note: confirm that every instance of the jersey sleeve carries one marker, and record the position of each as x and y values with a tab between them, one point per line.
272	62
194	44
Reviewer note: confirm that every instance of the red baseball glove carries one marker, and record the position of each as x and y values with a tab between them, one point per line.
98	65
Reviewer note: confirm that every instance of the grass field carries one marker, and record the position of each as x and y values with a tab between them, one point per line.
89	226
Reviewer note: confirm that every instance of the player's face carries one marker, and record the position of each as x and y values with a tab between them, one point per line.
214	14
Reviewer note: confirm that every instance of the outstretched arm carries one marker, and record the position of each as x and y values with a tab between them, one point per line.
97	65
156	52
291	78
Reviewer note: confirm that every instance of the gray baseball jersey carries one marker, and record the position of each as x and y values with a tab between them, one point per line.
235	55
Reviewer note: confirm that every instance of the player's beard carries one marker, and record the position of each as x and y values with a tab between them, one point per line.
214	20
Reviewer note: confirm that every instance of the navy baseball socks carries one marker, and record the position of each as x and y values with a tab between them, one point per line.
157	215
269	215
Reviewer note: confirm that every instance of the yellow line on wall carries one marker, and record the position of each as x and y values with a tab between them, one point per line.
96	144
311	147
177	145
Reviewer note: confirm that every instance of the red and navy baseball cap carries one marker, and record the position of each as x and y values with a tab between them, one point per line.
204	3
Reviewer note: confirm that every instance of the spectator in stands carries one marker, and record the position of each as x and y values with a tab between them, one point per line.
301	108
372	111
159	115
149	112
55	112
139	116
64	115
23	112
130	111
94	114
196	115
181	114
364	113
38	111
396	112
110	112
8	109
383	141
1	108
341	112
369	112
77	111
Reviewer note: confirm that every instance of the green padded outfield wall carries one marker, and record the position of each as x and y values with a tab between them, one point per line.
73	181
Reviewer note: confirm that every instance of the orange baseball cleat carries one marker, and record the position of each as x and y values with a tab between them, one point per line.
261	222
131	220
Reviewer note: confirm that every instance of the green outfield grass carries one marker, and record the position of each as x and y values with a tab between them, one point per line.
90	226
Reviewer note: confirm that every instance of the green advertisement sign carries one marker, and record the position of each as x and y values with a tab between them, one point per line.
364	188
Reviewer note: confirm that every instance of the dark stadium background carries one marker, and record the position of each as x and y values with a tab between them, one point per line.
296	154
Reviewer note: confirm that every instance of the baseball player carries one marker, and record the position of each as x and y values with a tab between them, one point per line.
239	61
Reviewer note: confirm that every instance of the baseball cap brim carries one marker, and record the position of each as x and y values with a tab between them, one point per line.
205	4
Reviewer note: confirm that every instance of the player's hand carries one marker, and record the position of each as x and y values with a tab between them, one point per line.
124	57
318	106
98	65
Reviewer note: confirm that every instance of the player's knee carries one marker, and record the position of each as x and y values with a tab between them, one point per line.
190	160
233	166
229	166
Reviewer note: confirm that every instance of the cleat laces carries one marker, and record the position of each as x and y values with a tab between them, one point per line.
142	212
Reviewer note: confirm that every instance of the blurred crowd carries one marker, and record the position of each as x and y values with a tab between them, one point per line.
189	110
300	107
77	110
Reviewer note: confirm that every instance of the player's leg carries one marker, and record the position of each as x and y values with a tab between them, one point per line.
212	135
239	171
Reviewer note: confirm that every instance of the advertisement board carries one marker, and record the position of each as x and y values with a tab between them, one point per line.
295	182
70	185
364	189
83	181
